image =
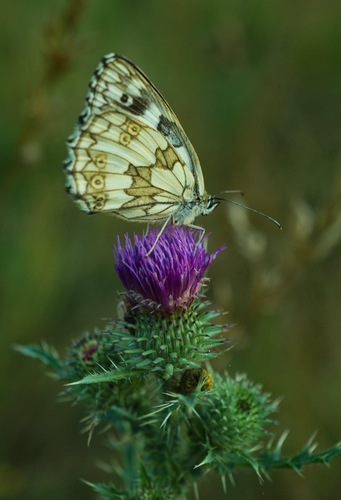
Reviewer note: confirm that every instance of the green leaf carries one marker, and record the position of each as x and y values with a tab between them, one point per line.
111	376
46	354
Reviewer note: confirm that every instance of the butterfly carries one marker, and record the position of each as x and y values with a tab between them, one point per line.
129	155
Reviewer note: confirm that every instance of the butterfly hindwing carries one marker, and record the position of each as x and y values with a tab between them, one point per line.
129	155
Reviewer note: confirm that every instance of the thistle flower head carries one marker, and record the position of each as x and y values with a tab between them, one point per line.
235	417
89	352
171	276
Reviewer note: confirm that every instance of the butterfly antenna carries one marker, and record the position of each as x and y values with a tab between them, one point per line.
232	191
251	210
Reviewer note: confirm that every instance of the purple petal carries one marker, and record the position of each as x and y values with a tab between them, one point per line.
172	275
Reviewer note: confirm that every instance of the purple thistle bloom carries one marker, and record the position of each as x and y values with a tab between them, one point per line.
171	276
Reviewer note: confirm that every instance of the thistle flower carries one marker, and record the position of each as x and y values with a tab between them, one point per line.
172	276
143	376
234	418
89	352
165	329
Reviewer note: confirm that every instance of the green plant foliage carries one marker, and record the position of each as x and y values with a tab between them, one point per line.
143	383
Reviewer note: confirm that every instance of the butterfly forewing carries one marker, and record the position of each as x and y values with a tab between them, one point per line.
129	155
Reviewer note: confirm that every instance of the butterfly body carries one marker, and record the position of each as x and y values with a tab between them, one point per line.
129	155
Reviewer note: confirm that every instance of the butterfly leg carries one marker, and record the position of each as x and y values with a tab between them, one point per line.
202	231
158	236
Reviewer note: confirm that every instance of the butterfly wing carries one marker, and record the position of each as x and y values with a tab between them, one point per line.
129	155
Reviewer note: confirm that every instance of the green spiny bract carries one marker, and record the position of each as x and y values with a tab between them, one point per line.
115	402
232	420
167	344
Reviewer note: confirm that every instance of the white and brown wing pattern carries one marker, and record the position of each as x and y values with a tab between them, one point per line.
129	155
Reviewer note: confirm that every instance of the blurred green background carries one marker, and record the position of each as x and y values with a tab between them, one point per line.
256	85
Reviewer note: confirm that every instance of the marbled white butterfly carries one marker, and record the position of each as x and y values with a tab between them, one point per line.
129	155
